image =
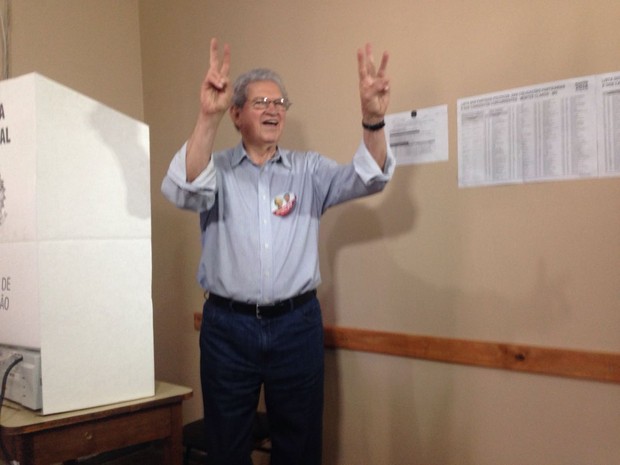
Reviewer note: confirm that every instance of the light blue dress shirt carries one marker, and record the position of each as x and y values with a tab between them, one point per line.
253	251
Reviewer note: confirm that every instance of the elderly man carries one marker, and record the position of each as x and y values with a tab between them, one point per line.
259	207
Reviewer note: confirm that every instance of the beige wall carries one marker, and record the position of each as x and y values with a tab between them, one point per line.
91	46
535	264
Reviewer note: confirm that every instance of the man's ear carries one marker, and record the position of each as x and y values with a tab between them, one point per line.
234	112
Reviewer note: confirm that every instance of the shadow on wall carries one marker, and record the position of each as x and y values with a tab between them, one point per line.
374	223
132	154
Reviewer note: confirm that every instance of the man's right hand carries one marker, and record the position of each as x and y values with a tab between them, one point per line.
216	90
215	97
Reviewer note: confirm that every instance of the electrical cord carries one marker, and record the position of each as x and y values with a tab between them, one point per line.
17	358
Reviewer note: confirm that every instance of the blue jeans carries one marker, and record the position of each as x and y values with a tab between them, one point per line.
239	354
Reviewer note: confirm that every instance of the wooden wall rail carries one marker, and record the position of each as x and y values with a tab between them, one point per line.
596	366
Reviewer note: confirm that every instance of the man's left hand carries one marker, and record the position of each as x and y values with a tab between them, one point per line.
374	86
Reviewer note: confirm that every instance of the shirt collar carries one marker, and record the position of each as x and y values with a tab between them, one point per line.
281	156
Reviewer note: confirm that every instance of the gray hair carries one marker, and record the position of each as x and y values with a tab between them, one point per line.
240	90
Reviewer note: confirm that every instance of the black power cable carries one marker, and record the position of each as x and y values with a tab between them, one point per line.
17	358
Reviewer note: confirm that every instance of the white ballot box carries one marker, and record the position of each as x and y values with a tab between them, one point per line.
75	244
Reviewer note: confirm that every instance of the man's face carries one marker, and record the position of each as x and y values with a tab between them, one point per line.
260	126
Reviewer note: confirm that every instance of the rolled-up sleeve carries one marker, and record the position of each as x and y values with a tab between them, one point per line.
367	168
197	195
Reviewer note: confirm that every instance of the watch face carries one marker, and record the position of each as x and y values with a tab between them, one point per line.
2	198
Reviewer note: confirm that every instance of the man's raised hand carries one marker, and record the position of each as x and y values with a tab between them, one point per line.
374	85
216	89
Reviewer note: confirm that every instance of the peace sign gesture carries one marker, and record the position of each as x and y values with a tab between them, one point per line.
215	97
374	86
216	90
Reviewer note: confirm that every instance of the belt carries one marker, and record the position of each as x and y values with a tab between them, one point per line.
262	310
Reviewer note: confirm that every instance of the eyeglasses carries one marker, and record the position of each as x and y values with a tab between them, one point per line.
262	103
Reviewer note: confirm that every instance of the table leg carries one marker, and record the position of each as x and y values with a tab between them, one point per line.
173	445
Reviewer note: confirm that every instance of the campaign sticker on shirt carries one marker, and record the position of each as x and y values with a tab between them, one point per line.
282	204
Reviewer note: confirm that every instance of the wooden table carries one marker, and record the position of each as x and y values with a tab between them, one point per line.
35	439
